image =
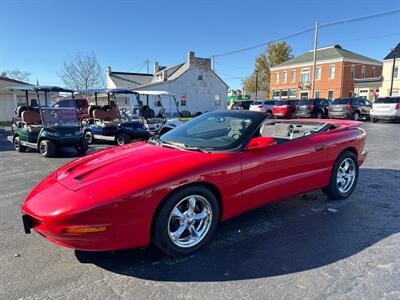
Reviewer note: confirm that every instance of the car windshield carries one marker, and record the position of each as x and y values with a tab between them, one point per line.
388	100
306	102
341	101
60	117
212	131
257	103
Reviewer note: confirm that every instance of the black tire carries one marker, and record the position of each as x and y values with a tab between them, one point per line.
332	190
319	114
47	148
17	145
82	147
356	116
89	137
161	223
122	139
374	120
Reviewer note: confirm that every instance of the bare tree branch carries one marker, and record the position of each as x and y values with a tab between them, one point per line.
16	74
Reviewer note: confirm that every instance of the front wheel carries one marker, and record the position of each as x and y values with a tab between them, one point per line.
186	221
374	120
122	139
344	176
47	148
82	147
319	115
356	116
89	137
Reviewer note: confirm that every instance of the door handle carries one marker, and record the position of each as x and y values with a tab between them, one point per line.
319	147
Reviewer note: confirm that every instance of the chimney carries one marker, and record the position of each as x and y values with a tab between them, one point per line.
190	57
156	67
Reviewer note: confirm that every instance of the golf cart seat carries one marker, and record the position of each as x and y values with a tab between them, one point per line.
106	117
31	121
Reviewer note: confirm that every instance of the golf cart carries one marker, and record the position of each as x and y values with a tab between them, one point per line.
158	124
46	129
104	122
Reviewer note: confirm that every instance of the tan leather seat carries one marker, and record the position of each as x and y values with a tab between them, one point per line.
31	120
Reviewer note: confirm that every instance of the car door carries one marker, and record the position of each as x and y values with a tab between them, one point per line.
285	169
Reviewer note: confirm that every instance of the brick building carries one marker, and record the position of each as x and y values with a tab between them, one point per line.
336	72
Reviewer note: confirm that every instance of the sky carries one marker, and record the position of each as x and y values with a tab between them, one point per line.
39	35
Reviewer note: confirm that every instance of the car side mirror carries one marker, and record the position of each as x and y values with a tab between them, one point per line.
260	143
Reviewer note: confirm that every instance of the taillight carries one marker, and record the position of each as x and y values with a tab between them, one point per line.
397	106
349	107
312	106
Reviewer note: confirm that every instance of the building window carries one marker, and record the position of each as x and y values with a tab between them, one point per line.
276	94
284	94
363	72
284	77
396	72
330	94
332	70
305	76
292	93
318	73
276	77
183	100
200	77
317	94
352	71
157	101
217	99
293	76
373	72
304	95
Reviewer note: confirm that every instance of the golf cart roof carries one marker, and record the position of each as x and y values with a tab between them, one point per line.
161	93
39	88
108	90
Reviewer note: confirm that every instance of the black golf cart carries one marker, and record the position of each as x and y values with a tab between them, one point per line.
46	129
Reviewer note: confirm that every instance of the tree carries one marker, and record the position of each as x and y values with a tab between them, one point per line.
82	72
276	53
16	75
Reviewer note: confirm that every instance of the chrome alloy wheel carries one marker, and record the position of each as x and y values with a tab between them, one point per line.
346	175
190	221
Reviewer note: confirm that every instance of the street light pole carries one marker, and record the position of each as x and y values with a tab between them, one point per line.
314	59
393	68
256	83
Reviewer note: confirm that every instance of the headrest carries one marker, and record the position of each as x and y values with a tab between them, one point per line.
237	124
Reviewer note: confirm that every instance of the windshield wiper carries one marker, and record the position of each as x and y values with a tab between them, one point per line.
159	142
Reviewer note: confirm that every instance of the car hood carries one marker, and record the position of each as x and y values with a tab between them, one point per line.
118	163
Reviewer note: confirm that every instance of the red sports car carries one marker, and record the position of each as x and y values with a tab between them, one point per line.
174	189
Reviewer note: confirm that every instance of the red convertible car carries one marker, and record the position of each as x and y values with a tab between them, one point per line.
173	190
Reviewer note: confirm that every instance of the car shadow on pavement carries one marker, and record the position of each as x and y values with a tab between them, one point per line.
5	145
299	234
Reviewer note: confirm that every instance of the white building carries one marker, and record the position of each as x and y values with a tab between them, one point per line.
196	86
388	71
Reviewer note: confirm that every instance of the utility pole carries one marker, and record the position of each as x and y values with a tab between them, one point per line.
147	65
315	58
393	67
256	83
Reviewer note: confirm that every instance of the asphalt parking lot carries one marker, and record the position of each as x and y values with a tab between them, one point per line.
304	248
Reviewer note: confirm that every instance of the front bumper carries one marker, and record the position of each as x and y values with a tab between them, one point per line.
388	117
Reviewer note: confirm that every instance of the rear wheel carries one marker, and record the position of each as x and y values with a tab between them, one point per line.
344	176
17	145
374	120
356	116
47	148
89	137
82	146
319	114
122	139
186	221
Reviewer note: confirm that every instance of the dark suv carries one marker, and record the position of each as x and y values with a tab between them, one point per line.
314	108
350	108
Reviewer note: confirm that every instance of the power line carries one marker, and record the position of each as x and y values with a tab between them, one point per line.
372	16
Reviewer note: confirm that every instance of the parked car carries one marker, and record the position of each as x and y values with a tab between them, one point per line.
350	108
285	109
81	104
387	108
174	189
314	108
241	104
263	106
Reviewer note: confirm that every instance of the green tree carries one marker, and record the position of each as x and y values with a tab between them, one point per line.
276	53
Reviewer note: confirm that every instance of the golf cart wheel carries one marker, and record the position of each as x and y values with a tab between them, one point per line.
17	145
374	120
122	139
82	147
89	137
356	116
47	148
